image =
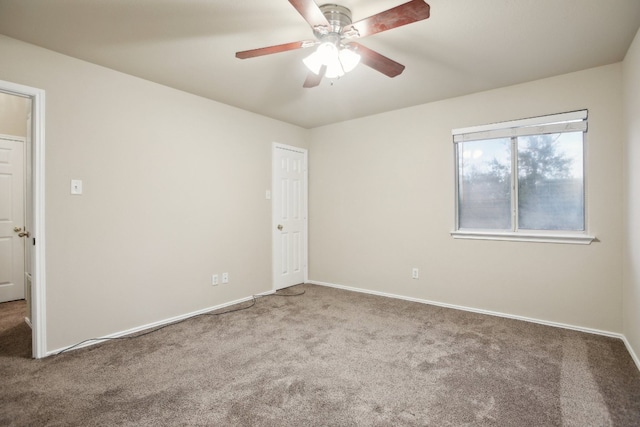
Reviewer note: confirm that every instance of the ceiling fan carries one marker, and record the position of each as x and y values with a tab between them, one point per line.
336	53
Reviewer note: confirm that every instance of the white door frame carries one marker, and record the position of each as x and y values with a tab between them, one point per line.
38	278
305	185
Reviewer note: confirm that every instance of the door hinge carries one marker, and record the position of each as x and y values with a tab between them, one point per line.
34	241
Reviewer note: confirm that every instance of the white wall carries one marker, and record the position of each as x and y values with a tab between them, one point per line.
13	115
631	286
382	202
174	190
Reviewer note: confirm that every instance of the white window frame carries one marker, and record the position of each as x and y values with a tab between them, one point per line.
555	123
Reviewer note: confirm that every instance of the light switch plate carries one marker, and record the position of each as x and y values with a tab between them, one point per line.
76	186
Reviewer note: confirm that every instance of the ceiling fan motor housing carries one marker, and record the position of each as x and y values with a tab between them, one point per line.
338	17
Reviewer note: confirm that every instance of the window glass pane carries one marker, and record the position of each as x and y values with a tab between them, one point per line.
550	182
484	184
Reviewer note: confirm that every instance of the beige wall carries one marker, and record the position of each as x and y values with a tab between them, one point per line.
174	190
631	286
13	115
382	202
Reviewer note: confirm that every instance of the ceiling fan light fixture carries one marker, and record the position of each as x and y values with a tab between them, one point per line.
313	62
334	69
349	59
337	61
326	54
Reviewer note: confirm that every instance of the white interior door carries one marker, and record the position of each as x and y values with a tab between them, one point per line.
12	222
289	188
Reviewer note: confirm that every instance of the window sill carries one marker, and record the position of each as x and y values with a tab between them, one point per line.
575	239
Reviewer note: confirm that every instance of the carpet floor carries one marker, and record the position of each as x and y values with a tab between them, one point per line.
326	358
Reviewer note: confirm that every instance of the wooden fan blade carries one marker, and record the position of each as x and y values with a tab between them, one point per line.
378	62
314	79
413	11
274	49
310	12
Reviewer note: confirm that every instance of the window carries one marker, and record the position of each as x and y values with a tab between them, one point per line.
522	180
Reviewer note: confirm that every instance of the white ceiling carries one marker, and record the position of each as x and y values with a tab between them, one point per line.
465	46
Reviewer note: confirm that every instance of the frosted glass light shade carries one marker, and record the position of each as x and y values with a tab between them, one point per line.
349	59
334	68
313	62
325	54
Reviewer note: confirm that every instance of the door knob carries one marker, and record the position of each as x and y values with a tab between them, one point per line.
17	229
26	233
280	227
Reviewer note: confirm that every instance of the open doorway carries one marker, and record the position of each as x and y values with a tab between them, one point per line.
15	149
22	245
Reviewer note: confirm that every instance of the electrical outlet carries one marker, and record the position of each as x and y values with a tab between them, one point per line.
415	273
225	277
214	280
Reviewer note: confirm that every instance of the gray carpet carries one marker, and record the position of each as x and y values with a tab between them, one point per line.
326	358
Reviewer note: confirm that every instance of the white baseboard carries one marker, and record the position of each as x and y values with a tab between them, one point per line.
633	354
491	313
94	341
